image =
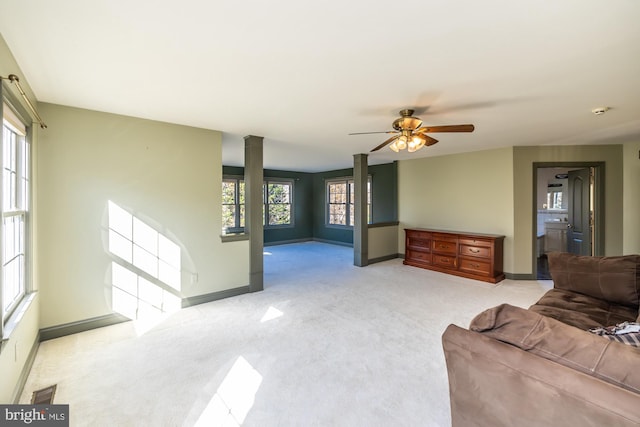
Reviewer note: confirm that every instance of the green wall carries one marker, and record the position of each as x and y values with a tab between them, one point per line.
302	228
321	230
166	175
384	200
492	191
631	199
309	202
384	197
470	192
523	160
17	351
302	202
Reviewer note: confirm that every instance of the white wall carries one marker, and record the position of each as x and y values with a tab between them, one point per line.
168	176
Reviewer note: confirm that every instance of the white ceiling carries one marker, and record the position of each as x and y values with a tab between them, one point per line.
305	74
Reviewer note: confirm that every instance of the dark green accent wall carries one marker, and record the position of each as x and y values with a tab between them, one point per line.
232	170
302	204
384	200
384	197
320	229
309	202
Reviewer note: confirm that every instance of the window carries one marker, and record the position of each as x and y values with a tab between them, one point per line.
554	200
277	204
232	205
340	202
15	206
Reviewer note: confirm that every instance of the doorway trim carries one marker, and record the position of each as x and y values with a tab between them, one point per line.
598	206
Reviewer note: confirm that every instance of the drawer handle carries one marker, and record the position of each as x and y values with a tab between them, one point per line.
475	251
443	246
475	265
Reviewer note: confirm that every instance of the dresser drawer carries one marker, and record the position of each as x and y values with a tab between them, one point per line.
419	234
470	241
475	251
475	267
419	243
418	256
445	261
445	246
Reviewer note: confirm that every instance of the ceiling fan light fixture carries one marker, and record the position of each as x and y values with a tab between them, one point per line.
411	123
407	123
409	133
418	141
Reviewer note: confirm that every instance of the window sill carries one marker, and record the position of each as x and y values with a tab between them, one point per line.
350	227
339	227
278	227
16	316
237	237
384	224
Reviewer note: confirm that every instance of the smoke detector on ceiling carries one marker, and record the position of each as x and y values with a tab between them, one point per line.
599	111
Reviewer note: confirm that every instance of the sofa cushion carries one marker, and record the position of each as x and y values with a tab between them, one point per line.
615	279
582	311
607	360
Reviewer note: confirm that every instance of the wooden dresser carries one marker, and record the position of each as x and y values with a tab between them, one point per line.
470	255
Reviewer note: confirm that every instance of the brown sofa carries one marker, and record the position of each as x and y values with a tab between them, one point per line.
541	366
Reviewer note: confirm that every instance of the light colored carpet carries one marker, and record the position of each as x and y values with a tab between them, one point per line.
325	344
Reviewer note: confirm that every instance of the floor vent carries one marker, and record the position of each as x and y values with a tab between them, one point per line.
44	396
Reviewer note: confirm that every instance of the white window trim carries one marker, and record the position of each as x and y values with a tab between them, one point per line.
16	120
266	181
238	228
285	181
347	180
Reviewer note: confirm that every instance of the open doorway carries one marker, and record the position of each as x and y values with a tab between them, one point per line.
567	211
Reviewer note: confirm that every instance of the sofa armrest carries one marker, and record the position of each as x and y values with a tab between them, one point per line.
564	344
492	383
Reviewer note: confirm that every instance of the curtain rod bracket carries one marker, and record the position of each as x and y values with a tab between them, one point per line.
16	80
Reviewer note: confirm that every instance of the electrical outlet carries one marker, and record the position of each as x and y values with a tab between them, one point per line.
194	278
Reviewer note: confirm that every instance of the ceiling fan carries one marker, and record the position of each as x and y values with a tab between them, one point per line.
410	134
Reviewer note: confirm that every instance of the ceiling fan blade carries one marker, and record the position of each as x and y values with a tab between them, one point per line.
450	128
430	141
388	141
369	133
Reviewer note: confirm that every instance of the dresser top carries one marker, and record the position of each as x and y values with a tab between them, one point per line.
457	233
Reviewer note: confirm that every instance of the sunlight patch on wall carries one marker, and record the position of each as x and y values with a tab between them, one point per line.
136	297
234	398
151	262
